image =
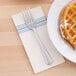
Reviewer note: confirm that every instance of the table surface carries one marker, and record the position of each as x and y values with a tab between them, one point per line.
13	59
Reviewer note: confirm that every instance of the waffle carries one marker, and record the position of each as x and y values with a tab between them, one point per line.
68	23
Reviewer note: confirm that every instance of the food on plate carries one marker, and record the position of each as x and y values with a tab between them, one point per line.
68	23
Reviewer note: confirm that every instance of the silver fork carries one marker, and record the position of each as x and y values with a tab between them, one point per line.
29	21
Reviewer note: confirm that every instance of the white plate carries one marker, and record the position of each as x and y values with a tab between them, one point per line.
53	29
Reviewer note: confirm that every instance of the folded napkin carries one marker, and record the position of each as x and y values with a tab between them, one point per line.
30	44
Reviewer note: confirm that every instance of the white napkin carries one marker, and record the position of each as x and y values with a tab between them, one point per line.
30	44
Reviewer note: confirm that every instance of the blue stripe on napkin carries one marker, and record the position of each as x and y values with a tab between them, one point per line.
38	22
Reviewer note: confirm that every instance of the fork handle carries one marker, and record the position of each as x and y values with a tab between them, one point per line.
47	58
